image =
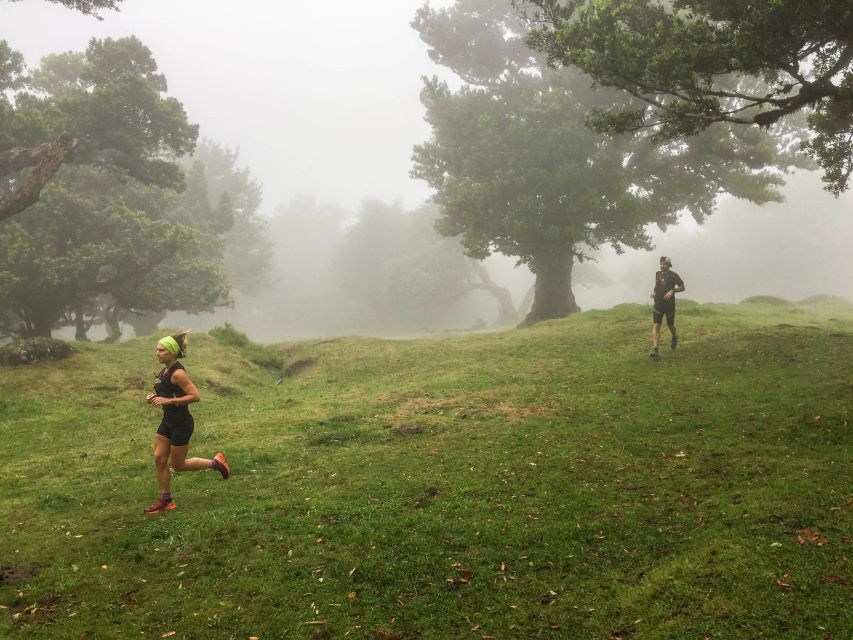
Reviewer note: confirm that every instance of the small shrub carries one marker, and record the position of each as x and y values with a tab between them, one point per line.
34	350
228	335
826	301
252	351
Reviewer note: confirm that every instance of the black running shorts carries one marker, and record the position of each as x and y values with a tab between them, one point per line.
658	314
177	431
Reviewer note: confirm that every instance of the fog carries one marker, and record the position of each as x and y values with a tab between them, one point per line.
321	98
322	102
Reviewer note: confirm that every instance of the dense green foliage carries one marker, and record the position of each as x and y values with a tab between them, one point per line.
516	170
112	99
551	482
695	62
94	248
112	240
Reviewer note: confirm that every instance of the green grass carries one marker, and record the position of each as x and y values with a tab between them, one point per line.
253	351
560	485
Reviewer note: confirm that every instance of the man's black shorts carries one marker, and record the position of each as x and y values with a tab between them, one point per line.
177	431
659	312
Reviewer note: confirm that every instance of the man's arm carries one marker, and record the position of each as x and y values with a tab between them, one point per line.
676	288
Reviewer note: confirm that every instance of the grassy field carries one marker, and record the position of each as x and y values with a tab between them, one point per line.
551	482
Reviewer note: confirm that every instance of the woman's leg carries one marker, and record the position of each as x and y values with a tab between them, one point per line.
162	449
180	462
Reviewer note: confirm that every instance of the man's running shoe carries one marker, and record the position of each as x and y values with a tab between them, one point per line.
222	466
161	505
674	343
654	352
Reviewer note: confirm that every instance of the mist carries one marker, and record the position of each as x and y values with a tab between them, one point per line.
794	250
321	104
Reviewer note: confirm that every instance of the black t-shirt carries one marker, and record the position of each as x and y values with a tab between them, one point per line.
666	281
165	388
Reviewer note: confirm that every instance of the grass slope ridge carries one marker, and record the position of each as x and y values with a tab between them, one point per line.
551	482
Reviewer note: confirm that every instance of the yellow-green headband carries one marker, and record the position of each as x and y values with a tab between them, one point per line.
171	344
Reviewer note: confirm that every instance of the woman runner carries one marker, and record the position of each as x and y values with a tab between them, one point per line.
174	391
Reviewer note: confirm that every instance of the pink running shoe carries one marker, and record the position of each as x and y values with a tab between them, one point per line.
222	465
161	505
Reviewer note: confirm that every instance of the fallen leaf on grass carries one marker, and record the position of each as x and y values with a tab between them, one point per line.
810	535
783	585
168	634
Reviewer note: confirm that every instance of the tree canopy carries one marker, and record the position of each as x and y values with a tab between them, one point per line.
110	235
692	63
516	171
89	7
106	107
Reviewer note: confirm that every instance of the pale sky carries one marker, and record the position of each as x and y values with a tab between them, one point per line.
321	98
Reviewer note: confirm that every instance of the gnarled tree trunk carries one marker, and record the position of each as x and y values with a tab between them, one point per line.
144	324
507	315
553	297
46	158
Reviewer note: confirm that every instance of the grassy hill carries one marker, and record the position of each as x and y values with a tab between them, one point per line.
552	482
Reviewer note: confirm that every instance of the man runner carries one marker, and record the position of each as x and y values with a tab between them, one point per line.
667	284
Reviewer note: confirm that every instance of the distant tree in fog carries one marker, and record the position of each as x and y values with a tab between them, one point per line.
303	296
690	62
399	274
516	171
233	192
221	202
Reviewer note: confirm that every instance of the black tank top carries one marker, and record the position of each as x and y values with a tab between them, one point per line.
165	388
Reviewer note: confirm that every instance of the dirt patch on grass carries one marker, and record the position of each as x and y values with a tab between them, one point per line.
44	612
298	366
336	437
214	382
407	430
10	575
135	382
